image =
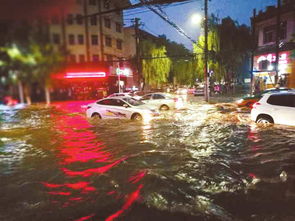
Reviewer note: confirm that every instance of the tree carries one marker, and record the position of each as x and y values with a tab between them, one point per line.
183	69
155	64
229	45
48	61
31	58
21	65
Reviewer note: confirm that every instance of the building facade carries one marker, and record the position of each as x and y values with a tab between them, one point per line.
86	36
264	66
93	38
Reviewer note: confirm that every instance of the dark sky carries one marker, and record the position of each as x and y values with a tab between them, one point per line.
239	10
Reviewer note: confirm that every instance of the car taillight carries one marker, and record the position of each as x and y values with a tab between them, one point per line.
255	105
88	107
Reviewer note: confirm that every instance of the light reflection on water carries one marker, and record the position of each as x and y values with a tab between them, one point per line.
191	164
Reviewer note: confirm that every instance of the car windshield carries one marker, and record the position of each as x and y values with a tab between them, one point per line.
133	101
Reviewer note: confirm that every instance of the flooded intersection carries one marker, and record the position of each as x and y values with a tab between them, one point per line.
202	163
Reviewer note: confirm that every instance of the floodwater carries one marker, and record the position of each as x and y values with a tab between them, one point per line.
202	163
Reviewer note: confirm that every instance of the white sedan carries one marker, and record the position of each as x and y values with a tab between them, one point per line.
127	94
278	108
162	101
120	107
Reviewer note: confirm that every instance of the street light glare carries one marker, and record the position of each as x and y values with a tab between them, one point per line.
196	19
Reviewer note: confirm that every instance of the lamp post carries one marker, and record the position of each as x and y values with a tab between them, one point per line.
206	53
196	18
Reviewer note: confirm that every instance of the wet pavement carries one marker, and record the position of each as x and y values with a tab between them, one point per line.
206	162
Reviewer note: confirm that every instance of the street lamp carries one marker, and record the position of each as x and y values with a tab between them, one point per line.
196	19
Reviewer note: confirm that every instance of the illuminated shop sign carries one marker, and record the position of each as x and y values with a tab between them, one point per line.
85	75
283	58
125	72
267	62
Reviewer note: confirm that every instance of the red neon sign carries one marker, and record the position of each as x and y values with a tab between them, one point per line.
85	75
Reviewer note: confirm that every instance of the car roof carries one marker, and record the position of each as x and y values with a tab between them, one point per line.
161	93
281	92
109	98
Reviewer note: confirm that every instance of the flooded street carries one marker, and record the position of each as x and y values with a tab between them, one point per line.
202	163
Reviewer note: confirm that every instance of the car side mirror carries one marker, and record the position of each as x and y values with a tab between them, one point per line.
125	105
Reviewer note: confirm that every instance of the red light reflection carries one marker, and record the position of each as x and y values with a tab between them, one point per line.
80	146
85	217
130	200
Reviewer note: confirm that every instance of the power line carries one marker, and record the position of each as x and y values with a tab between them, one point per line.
145	11
165	17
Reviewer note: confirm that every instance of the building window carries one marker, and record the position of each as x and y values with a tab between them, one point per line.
107	22
70	19
283	31
108	41
93	20
92	2
82	58
118	27
106	4
56	39
119	44
81	39
119	12
94	39
79	19
72	58
95	58
71	39
55	20
109	57
269	34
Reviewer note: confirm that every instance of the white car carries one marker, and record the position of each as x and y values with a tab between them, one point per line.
120	95
278	108
120	107
162	101
127	94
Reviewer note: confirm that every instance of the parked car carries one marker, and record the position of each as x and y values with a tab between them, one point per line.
120	107
278	108
249	100
126	94
162	101
199	91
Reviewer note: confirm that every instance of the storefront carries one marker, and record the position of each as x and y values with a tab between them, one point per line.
264	70
85	83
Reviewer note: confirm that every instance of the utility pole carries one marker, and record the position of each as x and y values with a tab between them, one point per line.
86	31
278	27
253	48
138	59
206	77
101	36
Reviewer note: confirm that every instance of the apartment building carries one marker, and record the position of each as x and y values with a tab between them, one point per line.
86	36
95	42
265	25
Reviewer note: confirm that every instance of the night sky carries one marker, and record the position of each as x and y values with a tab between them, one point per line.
239	10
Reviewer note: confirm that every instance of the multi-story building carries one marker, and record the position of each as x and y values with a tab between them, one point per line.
89	37
93	39
265	26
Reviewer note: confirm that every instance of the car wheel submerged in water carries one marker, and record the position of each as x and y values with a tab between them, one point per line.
136	117
96	116
264	120
164	108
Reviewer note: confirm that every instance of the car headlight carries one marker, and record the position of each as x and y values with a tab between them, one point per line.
240	101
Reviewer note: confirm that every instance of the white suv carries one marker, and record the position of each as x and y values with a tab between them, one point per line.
278	108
